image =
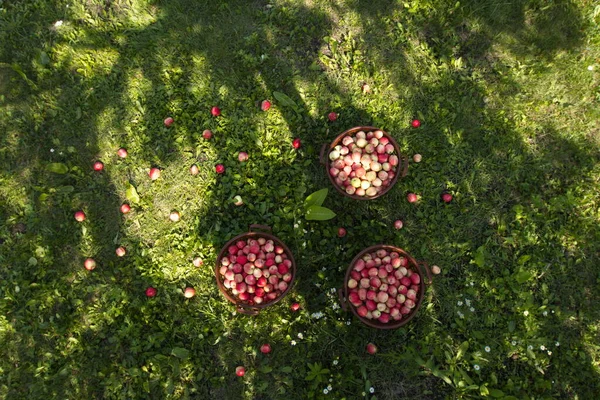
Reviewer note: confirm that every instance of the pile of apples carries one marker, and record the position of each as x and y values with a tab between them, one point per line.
364	164
256	271
383	287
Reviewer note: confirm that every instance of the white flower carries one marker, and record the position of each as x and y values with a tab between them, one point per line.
549	353
461	315
557	344
487	349
335	362
59	23
468	302
325	391
293	342
348	322
363	394
476	367
590	67
472	283
329	387
459	303
542	347
514	343
296	226
472	309
525	313
530	347
335	306
545	313
51	150
333	290
300	335
372	390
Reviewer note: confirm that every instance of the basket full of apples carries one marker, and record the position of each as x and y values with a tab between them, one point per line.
255	270
364	162
384	286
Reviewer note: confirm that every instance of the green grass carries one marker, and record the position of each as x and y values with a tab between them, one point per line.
510	125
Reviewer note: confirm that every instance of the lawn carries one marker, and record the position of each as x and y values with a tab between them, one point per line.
508	96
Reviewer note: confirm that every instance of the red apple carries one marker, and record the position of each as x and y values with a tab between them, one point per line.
371	348
120	251
446	197
265	348
417	158
242	156
240	371
154	173
341	232
416	123
197	262
220	168
79	216
215	111
125	208
189	292
297	143
122	152
89	264
150	292
295	307
207	134
398	224
411	197
169	121
98	166
332	116
265	105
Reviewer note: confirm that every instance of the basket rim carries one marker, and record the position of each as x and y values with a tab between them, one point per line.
420	295
247	235
350	131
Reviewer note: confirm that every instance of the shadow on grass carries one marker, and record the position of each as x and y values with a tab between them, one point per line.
242	61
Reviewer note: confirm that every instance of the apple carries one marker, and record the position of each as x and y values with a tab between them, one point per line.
295	307
296	143
197	262
98	166
174	216
120	251
194	170
398	224
416	123
220	168
411	197
265	105
332	116
417	158
371	348
122	152
150	292
125	208
366	88
240	371
189	292
89	264
154	173
265	348
207	134
341	232
446	197
215	111
436	270
168	121
237	200
79	216
242	156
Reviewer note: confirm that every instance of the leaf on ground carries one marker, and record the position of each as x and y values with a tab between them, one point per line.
316	199
318	213
180	352
132	194
285	101
57	168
